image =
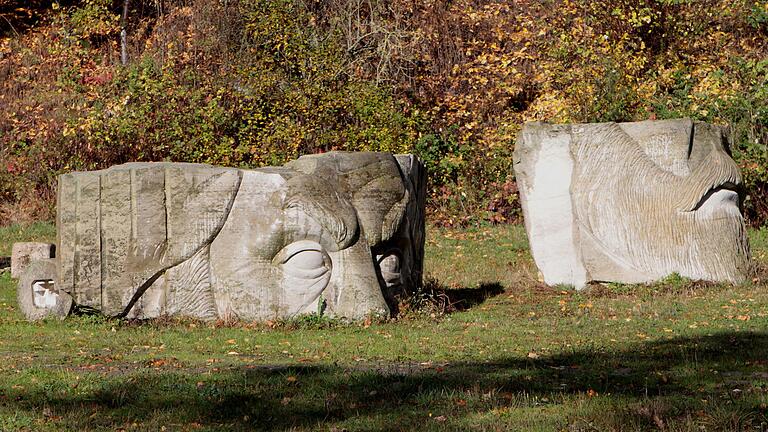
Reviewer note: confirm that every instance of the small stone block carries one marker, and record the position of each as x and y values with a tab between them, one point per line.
24	253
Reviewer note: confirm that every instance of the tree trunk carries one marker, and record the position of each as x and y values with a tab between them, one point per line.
124	34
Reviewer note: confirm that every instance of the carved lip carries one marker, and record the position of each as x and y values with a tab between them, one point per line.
727	186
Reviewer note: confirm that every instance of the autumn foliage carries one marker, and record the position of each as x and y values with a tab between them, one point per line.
258	82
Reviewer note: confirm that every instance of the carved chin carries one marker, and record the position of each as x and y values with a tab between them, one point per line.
707	243
687	227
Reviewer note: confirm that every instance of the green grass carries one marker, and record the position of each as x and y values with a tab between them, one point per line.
677	355
40	231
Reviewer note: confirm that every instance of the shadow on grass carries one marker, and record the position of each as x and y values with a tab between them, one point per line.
465	298
723	378
437	297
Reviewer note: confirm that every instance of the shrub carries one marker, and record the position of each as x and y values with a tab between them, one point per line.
259	87
258	82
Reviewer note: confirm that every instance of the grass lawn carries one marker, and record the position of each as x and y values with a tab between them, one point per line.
516	355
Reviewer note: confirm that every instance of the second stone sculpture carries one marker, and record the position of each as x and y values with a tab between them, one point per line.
631	202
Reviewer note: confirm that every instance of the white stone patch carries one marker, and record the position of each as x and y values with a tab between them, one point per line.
550	214
43	294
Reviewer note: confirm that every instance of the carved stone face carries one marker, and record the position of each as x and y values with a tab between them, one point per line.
637	202
337	233
315	242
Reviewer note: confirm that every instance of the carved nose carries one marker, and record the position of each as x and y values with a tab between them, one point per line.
355	286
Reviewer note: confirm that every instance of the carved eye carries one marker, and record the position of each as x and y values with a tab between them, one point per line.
304	259
306	273
389	265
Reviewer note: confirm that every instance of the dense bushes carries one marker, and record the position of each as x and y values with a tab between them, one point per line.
258	82
251	84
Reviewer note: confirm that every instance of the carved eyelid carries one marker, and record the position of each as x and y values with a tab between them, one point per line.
294	248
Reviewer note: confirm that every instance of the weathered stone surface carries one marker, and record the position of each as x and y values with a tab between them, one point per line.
66	237
631	202
22	254
116	234
120	228
338	233
37	294
87	256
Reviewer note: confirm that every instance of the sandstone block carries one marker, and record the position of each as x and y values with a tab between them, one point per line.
337	233
23	253
631	202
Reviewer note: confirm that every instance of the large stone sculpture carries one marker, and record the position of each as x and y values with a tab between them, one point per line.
631	202
336	233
